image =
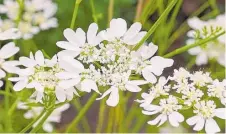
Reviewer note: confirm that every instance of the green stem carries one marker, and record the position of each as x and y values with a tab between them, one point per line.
110	120
153	28
110	10
82	112
95	19
101	116
32	123
48	113
77	2
85	123
187	47
6	94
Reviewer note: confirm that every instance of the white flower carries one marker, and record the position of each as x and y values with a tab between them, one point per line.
200	78
212	50
40	73
180	75
33	112
218	89
117	32
205	111
155	91
76	42
6	52
74	72
36	15
191	95
152	67
113	100
168	110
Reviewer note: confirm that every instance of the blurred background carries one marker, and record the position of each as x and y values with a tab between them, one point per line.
127	9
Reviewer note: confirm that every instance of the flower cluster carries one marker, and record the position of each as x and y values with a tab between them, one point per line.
186	91
203	29
43	75
110	59
34	112
35	15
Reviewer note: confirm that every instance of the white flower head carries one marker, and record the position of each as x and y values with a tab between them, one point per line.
200	78
152	67
41	74
154	92
168	109
117	32
36	15
205	111
212	50
218	89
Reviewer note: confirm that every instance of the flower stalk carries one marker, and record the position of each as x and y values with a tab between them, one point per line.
187	47
77	3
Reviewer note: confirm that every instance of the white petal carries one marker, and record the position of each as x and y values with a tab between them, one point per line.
161	62
194	50
27	62
20	85
193	120
195	23
132	31
60	94
163	119
148	51
201	59
105	94
175	118
199	125
2	73
113	98
162	81
91	33
150	113
147	74
136	39
69	83
8	50
220	113
68	46
1	83
137	82
118	27
211	126
70	63
48	127
72	37
156	120
66	53
39	58
132	88
87	85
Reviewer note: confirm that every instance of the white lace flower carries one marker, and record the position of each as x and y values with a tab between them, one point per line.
191	95
40	73
200	78
33	112
214	49
74	72
218	89
168	109
180	75
76	42
36	15
117	32
152	67
6	52
154	92
205	111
